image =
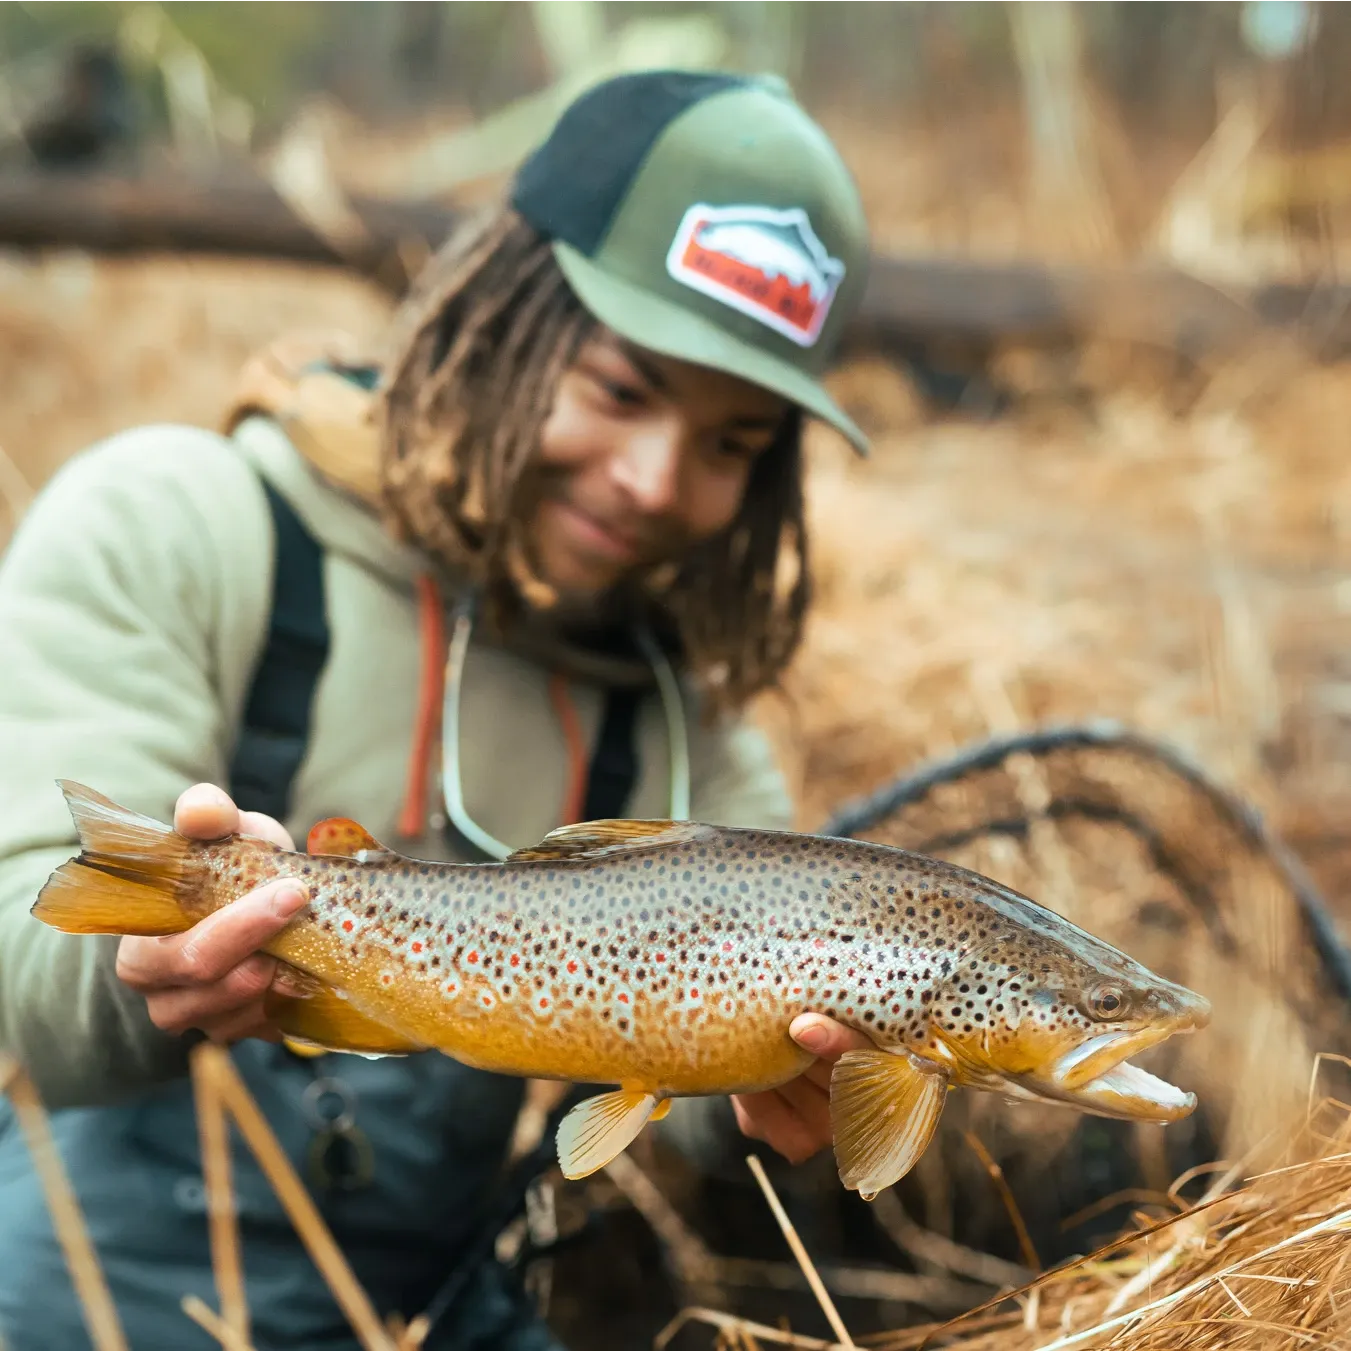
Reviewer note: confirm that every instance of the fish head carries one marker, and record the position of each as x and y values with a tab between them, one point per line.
1046	1011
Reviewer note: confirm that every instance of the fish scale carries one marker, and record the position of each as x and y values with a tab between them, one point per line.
661	950
669	958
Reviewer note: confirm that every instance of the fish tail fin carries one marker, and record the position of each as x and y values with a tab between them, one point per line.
133	875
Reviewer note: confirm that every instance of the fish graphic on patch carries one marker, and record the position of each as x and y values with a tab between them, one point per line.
767	263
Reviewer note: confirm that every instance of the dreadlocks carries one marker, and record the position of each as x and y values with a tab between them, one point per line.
480	346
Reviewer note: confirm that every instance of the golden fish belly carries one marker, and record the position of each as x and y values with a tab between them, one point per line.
636	1043
587	1032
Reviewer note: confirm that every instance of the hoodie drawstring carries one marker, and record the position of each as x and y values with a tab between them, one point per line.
431	695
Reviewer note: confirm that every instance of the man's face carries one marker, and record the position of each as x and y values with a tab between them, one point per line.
642	456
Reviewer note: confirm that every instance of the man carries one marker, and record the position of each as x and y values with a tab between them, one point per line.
580	462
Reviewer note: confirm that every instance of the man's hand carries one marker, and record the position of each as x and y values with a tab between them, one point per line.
213	977
794	1118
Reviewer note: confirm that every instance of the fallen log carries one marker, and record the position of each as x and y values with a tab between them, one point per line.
910	302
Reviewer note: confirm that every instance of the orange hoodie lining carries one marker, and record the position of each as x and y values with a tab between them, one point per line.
574	800
431	684
432	637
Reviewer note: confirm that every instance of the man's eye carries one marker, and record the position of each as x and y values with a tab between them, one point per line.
740	450
627	395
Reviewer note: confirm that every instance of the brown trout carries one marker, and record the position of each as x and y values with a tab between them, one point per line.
668	958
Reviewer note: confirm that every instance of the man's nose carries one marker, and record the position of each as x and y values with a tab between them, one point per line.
647	467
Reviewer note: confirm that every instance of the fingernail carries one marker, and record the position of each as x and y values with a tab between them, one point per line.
813	1038
286	900
206	795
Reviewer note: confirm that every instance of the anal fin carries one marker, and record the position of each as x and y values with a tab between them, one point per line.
325	1021
884	1109
597	1130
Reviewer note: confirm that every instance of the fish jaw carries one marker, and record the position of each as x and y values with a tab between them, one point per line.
1129	1093
1097	1077
1099	1055
1094	1075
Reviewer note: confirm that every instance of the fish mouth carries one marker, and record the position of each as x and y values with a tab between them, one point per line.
1097	1077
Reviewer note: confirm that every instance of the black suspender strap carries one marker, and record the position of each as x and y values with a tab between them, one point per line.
614	764
276	723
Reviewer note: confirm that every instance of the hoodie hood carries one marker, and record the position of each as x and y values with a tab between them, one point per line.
305	413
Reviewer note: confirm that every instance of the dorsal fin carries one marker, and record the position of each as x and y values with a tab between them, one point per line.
595	839
342	836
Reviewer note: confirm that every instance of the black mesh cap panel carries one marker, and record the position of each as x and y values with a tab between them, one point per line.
570	188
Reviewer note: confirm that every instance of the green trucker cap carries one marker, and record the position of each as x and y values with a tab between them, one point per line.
707	217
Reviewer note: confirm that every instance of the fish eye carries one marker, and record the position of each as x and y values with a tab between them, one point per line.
1107	1001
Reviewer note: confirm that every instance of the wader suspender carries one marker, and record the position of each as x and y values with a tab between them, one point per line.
276	726
271	746
277	715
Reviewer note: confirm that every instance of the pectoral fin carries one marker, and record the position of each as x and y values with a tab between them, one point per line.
327	1022
596	1130
884	1109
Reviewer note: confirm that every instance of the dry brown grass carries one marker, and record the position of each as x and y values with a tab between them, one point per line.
1259	1261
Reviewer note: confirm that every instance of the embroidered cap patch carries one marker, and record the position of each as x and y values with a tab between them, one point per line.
764	262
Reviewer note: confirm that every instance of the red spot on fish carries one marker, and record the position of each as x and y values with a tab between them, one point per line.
727	947
417	947
762	975
694	994
515	959
487	1001
451	987
347	926
661	956
472	958
851	970
820	943
572	966
797	989
623	999
544	1001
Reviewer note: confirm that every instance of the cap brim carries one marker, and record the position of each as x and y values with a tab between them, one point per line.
656	323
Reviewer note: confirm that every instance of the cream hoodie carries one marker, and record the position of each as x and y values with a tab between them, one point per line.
134	601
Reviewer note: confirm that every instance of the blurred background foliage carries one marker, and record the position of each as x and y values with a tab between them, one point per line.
1160	65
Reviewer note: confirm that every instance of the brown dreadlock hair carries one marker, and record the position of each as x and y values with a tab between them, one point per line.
478	349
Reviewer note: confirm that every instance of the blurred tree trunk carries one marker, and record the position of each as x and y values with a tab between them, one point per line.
768	34
1065	181
1316	106
418	47
570	33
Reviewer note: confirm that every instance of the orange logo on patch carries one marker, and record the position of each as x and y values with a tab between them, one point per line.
766	263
